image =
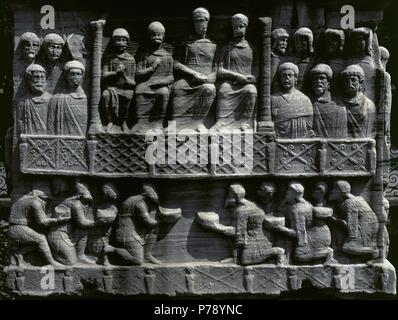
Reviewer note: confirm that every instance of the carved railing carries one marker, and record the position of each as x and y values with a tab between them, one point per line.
196	155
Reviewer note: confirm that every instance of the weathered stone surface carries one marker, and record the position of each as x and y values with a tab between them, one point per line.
160	165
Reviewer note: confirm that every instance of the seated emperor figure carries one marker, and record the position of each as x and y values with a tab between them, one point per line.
154	75
194	91
237	93
292	110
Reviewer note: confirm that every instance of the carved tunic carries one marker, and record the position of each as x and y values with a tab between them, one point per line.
361	221
292	114
117	85
251	234
234	101
330	120
31	115
68	113
312	237
361	117
145	94
190	99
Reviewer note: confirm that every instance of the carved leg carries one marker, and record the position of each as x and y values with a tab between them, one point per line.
80	250
151	241
45	249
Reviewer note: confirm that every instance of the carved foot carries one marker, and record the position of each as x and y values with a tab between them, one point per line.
151	259
86	260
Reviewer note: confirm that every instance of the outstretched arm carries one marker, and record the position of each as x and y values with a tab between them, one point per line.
41	217
143	214
77	211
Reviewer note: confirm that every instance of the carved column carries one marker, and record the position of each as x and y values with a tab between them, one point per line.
95	122
265	123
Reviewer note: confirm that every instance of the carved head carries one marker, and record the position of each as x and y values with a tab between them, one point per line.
353	78
201	19
74	71
340	191
386	207
319	191
39	194
384	56
361	41
303	42
150	193
59	186
320	79
334	42
287	74
83	192
280	39
239	25
295	192
156	32
109	191
30	44
236	195
53	44
267	191
120	39
36	78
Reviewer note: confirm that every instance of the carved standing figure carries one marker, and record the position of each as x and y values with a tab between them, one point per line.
29	45
68	241
360	221
31	113
53	45
28	221
194	92
137	227
361	54
105	216
280	40
387	97
292	111
330	120
303	45
68	112
307	225
361	111
251	238
334	46
237	93
118	76
154	76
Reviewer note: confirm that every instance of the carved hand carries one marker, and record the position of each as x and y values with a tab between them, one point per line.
156	64
251	79
199	77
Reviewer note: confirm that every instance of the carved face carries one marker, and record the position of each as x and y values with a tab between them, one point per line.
37	82
333	46
302	45
156	37
54	52
74	78
200	25
336	195
351	85
281	45
120	43
320	84
238	29
359	44
30	49
318	194
287	79
152	195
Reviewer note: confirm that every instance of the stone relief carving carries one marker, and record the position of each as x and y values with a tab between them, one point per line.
154	76
237	93
194	93
68	112
119	75
322	130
